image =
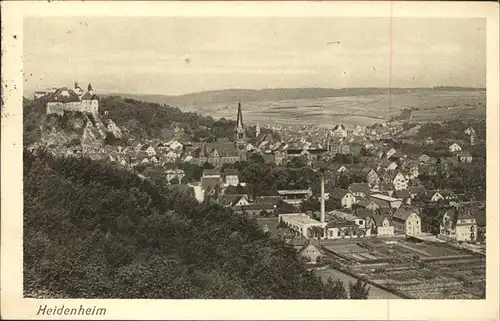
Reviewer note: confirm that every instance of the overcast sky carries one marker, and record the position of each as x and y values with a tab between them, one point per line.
182	55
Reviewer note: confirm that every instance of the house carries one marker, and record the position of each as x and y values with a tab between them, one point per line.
359	190
229	200
255	209
429	140
268	199
231	177
399	181
392	166
367	204
431	196
295	197
480	216
458	224
371	176
383	225
343	198
149	150
384	201
391	152
339	228
464	157
406	220
404	196
311	251
175	145
210	183
339	131
213	172
174	173
455	148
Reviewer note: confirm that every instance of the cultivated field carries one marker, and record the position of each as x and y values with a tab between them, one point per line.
423	270
362	110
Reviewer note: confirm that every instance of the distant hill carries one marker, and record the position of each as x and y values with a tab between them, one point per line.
247	95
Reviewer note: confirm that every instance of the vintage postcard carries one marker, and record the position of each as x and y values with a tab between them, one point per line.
250	161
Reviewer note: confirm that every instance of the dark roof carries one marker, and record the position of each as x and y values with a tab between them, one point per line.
341	223
403	213
365	202
231	199
338	193
211	171
268	199
359	187
256	206
379	219
231	171
223	149
312	242
207	182
480	217
385	186
362	213
381	203
402	194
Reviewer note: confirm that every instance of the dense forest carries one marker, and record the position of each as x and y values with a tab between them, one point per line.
95	231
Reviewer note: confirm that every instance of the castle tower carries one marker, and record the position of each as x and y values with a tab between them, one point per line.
257	130
89	89
239	135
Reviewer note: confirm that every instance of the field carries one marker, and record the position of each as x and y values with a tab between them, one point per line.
420	270
363	110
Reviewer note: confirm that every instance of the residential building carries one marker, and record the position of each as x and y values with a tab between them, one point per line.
399	181
464	157
406	220
359	190
339	131
213	172
255	209
367	204
455	148
232	200
458	224
371	176
343	198
231	177
383	225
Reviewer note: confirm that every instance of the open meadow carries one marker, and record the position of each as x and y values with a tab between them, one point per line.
364	110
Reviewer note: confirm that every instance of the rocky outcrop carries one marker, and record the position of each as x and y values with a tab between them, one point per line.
76	129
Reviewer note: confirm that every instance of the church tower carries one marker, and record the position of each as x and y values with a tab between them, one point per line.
239	135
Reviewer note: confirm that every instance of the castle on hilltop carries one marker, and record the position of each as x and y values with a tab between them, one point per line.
65	99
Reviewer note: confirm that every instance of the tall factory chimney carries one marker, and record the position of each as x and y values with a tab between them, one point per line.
322	197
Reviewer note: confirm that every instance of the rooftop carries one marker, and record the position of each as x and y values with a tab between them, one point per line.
294	191
384	197
300	218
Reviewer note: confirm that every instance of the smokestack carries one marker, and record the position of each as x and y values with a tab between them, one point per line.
322	198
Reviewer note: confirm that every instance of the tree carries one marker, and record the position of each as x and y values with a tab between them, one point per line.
359	290
338	288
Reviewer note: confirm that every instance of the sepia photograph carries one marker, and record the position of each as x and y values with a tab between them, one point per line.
259	157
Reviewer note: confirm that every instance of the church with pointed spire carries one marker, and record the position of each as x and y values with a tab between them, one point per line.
240	138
